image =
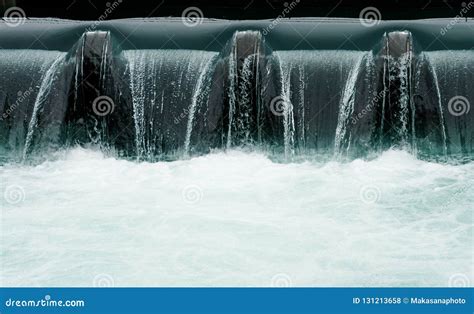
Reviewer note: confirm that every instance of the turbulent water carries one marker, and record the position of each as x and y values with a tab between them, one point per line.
236	219
344	208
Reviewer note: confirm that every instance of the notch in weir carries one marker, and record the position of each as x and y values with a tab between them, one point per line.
98	106
396	112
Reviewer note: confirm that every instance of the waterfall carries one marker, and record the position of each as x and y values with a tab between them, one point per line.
22	75
140	70
79	72
243	118
398	59
47	83
285	98
452	76
200	93
301	113
231	93
440	106
171	103
314	86
385	100
346	108
244	52
167	87
404	70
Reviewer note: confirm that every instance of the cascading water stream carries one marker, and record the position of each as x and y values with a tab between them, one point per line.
246	147
440	107
185	102
167	87
243	119
317	94
231	93
30	82
285	98
397	104
405	70
452	75
201	91
139	68
243	54
346	108
47	83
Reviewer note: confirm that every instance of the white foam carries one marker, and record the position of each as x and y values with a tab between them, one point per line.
236	219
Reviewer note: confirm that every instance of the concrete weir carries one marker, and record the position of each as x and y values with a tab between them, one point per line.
124	85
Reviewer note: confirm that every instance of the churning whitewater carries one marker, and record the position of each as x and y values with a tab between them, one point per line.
236	219
238	157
